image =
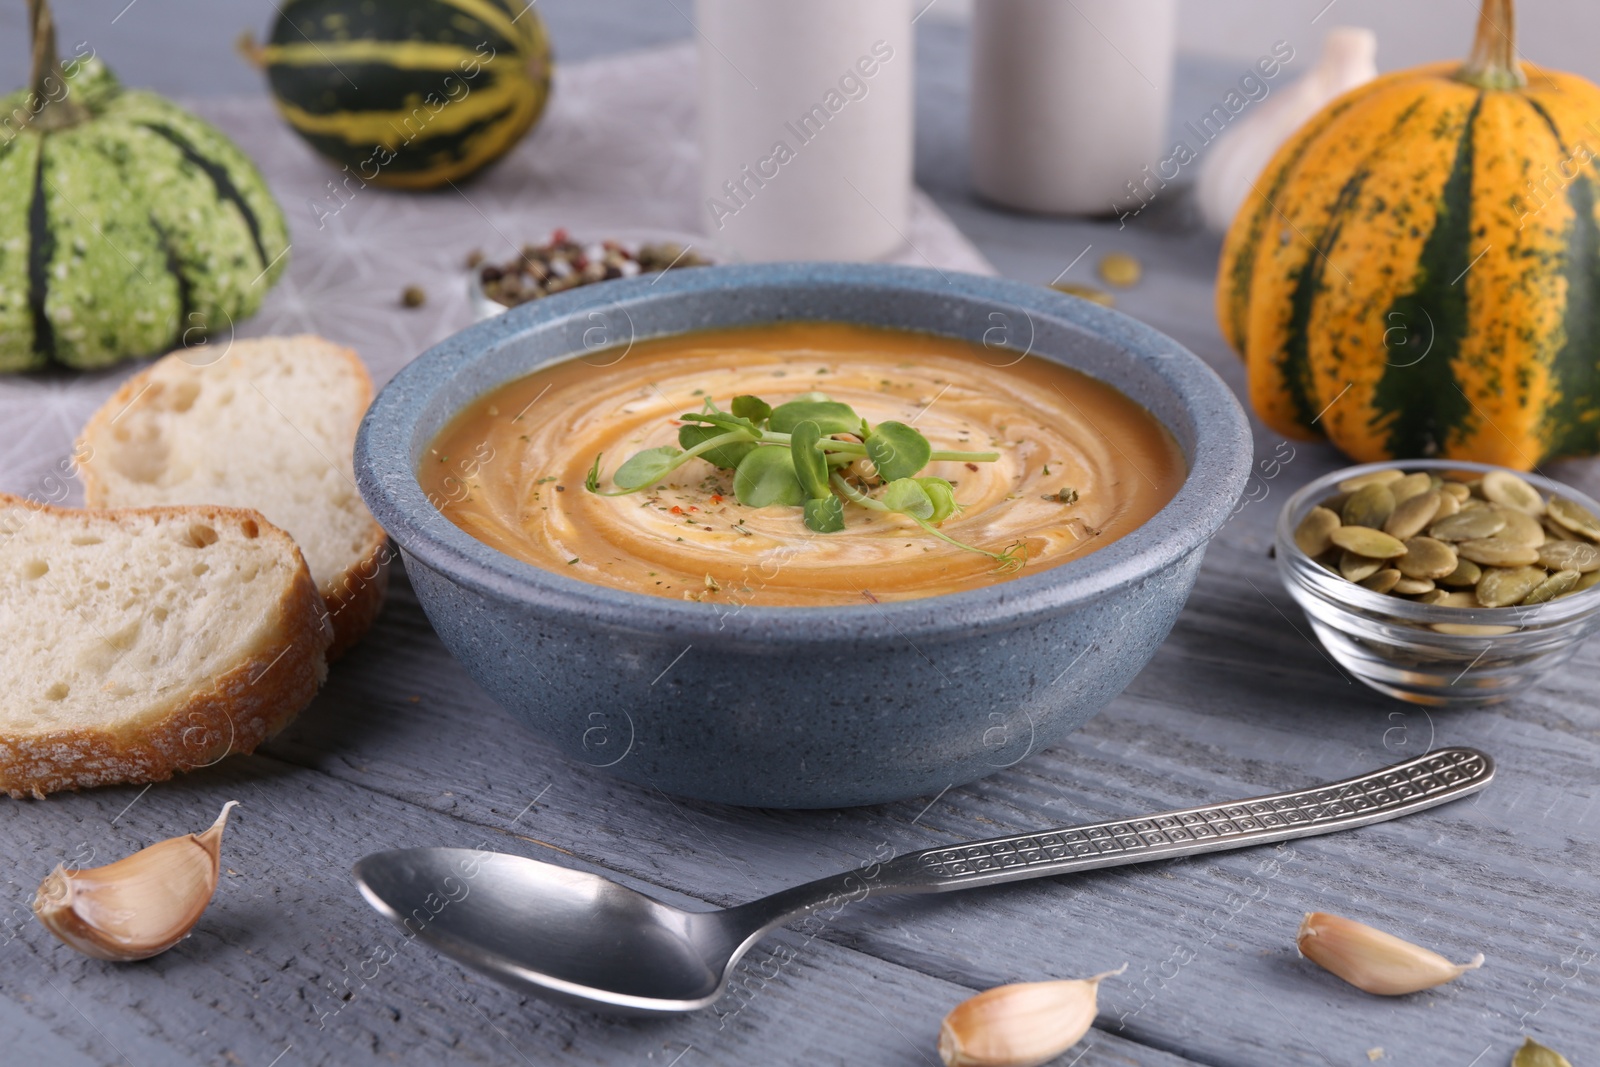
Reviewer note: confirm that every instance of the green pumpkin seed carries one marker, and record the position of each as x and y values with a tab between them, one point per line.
1427	558
1356	568
1413	514
1467	601
1412	586
1491	541
1311	536
1501	587
1575	517
1365	541
1520	528
1577	556
1507	490
1378	477
1466	573
1556	532
1370	506
1403	489
1468	525
1382	581
1552	587
1464	629
1490	552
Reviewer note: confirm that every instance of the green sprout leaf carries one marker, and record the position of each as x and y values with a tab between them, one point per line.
831	416
809	463
825	514
908	498
797	459
897	450
642	468
727	423
751	407
943	495
727	456
766	477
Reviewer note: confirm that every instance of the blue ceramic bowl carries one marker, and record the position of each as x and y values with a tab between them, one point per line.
806	707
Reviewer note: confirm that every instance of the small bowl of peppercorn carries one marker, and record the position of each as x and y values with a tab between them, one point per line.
1441	581
566	262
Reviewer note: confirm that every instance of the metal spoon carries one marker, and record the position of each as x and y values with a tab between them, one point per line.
583	939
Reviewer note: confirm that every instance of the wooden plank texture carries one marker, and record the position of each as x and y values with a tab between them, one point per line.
402	749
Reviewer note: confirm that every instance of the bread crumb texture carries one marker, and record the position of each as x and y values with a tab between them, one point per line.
147	641
267	423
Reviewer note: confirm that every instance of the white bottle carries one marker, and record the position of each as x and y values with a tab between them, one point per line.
1069	100
805	126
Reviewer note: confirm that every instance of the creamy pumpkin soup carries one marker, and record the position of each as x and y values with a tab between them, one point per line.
801	464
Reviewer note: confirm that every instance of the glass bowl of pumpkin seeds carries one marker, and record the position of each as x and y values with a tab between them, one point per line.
1442	581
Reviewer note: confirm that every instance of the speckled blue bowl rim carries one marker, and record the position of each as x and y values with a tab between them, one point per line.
1219	457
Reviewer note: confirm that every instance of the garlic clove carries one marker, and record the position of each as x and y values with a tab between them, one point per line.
1372	960
1533	1054
1232	162
139	906
1020	1025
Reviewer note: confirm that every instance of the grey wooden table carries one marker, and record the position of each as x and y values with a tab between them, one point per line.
290	967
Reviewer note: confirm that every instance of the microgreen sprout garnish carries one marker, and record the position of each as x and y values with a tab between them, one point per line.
796	455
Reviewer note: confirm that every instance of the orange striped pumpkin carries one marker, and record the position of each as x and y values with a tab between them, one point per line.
1417	271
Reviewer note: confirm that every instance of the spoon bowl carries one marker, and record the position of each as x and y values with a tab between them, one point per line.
583	939
559	933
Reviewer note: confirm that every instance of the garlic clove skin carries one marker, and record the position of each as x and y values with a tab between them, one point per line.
1533	1054
138	906
1231	164
1372	960
1020	1025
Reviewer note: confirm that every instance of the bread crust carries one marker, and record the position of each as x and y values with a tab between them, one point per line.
355	597
235	713
354	600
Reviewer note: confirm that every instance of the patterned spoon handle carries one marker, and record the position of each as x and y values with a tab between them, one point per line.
1441	776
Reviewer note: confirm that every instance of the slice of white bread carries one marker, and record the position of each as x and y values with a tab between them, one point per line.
146	641
270	425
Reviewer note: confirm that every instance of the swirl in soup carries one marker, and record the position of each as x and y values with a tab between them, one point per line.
1079	465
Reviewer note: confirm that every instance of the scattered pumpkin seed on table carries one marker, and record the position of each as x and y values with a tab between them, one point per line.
1454	539
1085	292
1120	269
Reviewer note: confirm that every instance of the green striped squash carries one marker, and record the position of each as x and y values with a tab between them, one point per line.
409	93
1417	271
127	225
